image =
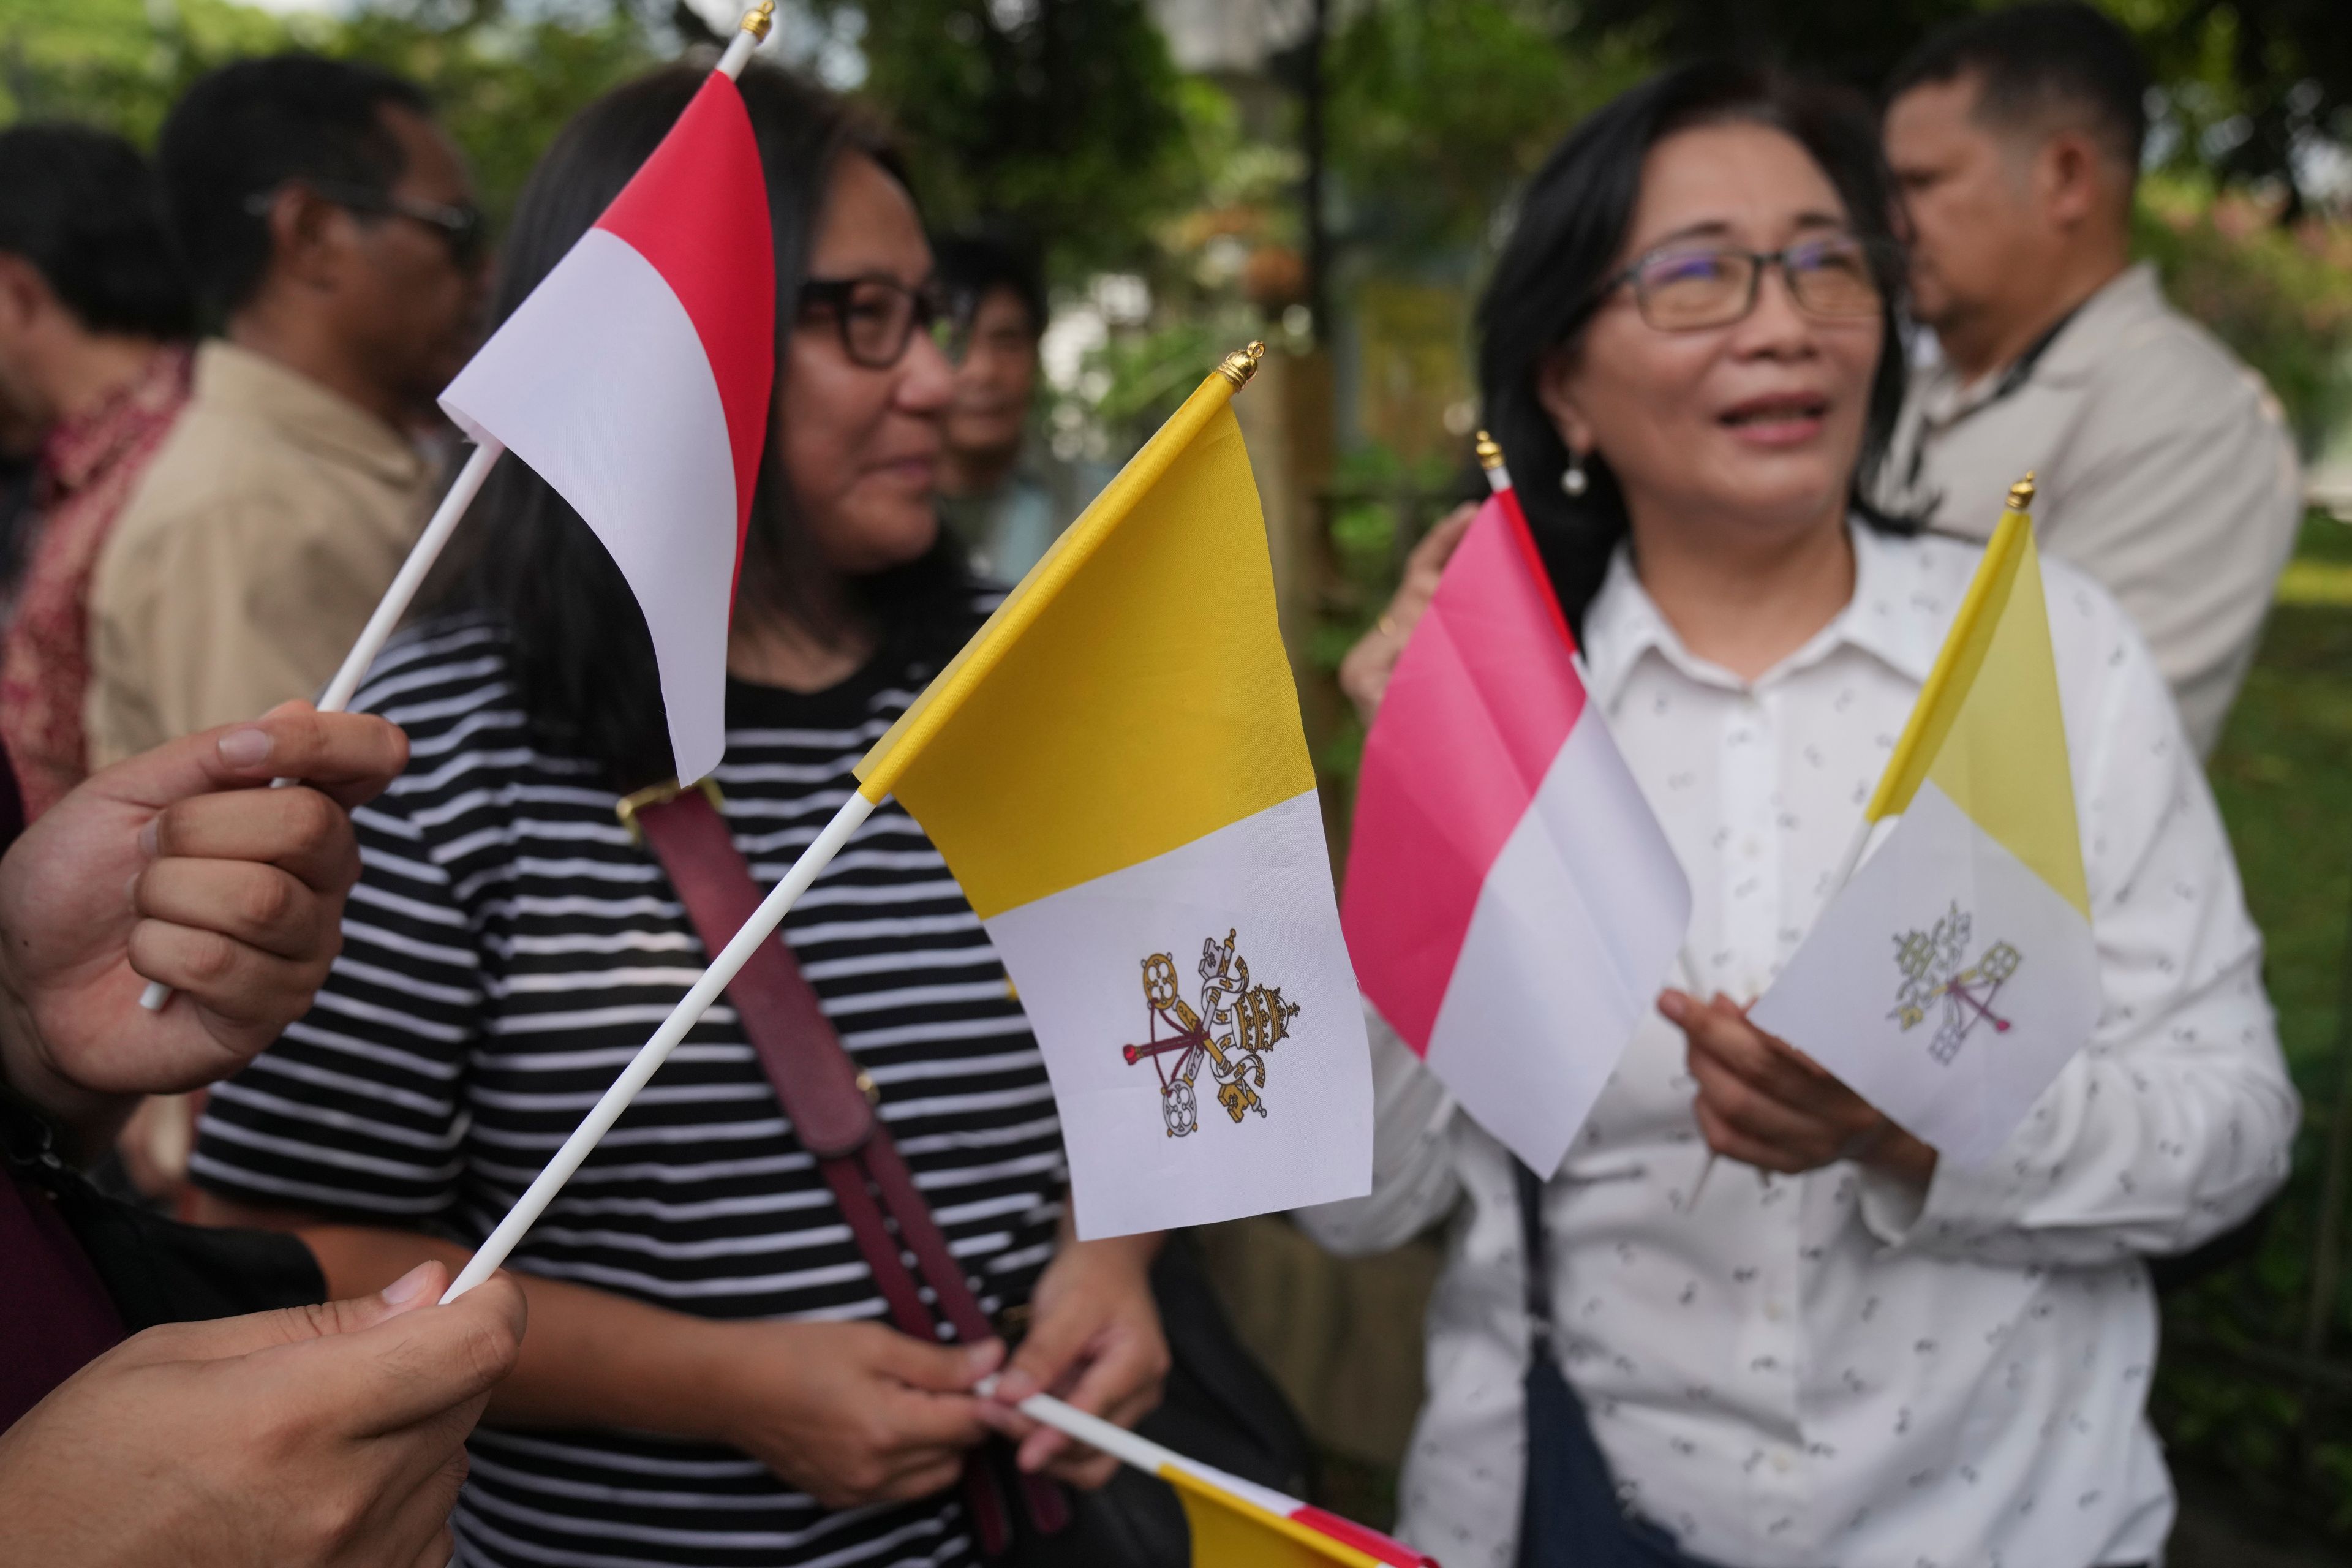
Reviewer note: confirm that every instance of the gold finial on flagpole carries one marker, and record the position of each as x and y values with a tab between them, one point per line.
1490	456
759	19
1241	364
2021	494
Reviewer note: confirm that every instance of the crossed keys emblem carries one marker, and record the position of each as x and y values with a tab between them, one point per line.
1934	981
1234	1026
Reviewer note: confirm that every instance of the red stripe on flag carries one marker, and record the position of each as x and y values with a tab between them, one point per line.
697	211
1479	704
1371	1542
1537	570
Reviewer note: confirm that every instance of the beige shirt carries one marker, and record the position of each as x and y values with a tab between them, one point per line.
2164	468
253	552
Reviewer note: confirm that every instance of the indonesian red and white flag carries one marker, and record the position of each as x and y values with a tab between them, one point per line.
1512	904
635	379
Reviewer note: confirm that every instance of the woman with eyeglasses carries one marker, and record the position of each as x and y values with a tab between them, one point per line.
1838	1350
708	1377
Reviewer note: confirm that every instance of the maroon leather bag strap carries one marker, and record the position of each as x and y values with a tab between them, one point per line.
813	1074
831	1105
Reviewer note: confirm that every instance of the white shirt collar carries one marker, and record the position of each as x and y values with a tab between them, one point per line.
1882	619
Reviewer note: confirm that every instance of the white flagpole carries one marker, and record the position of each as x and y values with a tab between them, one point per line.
427	551
422	556
1133	1447
689	1010
756	23
1128	1447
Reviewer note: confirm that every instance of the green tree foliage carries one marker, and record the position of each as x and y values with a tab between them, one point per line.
1063	114
503	84
119	63
1439	108
2251	83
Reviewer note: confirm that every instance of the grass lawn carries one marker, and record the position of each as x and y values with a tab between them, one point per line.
2284	777
2255	1436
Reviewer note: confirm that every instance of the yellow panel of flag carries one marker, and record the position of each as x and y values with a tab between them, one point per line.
1114	769
1954	976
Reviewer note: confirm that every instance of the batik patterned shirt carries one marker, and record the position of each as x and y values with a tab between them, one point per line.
89	468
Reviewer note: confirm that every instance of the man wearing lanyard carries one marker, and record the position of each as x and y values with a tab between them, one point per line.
2164	466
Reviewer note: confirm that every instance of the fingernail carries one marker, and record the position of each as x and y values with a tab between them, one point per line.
408	1286
244	748
151	842
1672	1004
1015	1386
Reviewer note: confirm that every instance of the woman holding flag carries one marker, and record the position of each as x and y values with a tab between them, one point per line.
1847	1348
703	1382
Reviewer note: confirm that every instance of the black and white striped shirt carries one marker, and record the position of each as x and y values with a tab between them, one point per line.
508	949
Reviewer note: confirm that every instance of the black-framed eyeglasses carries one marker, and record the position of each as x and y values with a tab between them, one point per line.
879	316
460	225
1689	288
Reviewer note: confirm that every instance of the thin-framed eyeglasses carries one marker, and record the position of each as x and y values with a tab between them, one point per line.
460	227
1686	288
879	316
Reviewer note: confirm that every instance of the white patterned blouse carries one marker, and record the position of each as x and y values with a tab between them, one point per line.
1826	1369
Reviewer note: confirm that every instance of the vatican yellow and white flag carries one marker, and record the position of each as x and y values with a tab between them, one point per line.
1955	975
1115	770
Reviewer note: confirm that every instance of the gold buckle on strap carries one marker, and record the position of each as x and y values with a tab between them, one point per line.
662	793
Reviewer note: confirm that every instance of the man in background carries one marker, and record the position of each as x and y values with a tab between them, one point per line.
2163	465
94	318
1004	494
329	229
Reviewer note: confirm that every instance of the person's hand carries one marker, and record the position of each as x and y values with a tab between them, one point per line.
1094	1341
1364	673
328	1436
1765	1103
181	865
850	1412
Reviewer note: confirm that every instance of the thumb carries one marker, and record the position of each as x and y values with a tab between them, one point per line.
394	1364
221	1339
939	1369
350	755
1054	1340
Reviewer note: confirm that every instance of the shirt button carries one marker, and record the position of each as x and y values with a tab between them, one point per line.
1751	848
1783	1461
1774	1311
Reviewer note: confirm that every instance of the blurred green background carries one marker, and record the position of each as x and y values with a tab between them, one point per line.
1332	175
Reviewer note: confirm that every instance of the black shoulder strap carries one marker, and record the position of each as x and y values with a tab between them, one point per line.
1531	1234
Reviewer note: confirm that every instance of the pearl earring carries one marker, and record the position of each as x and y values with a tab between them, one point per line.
1572	480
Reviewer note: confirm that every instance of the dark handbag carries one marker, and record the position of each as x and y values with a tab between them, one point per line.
1572	1515
1218	1400
158	1271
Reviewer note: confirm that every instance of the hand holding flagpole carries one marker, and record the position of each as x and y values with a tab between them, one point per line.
1233	1521
427	551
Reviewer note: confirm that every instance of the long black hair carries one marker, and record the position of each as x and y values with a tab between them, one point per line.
578	652
1570	228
